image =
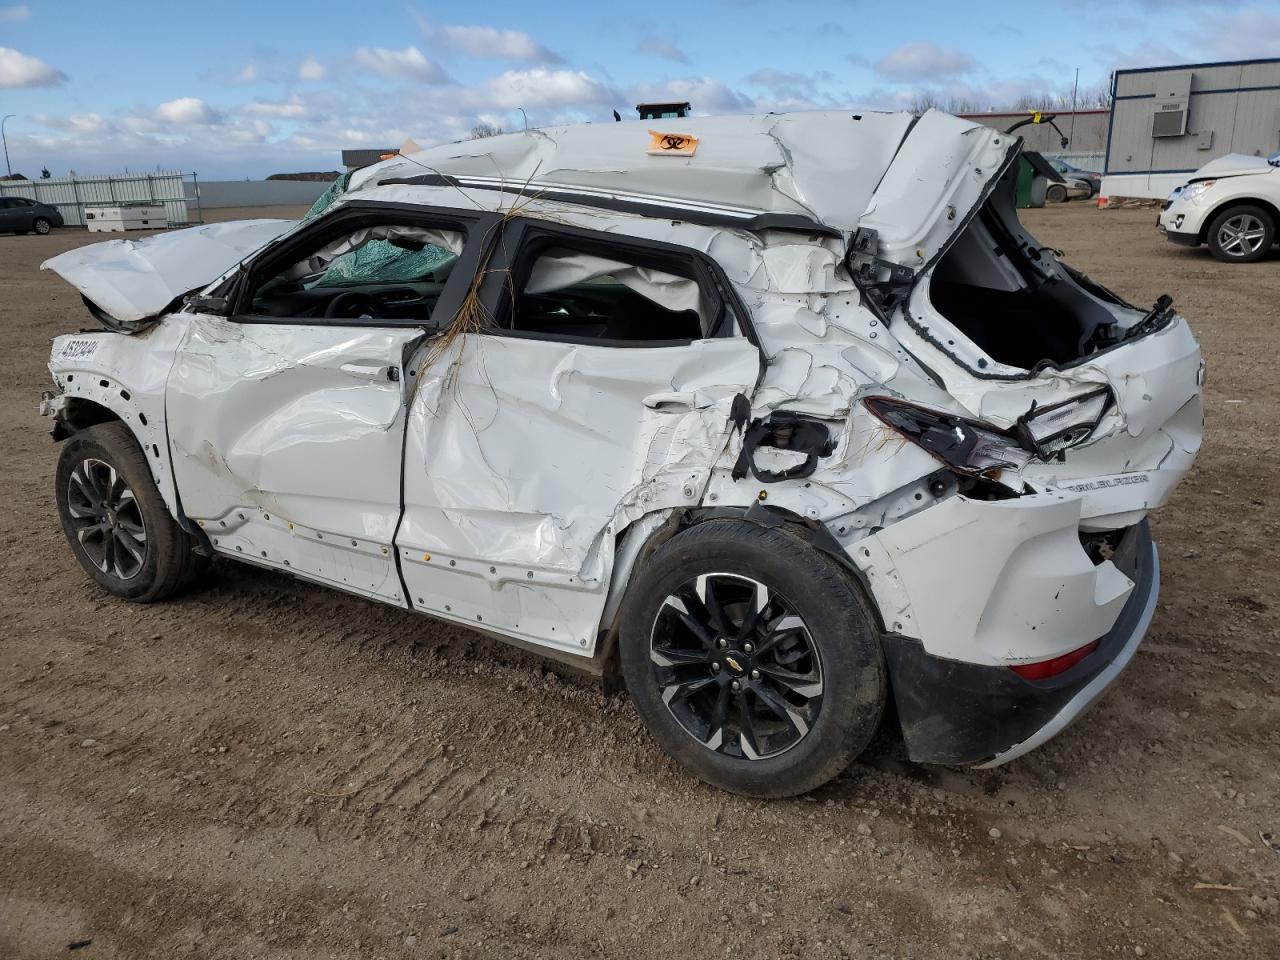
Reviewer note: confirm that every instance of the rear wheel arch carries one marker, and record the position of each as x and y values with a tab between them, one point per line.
814	535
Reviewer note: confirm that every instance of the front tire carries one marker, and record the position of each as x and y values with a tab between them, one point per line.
1056	193
1241	234
752	658
41	226
115	520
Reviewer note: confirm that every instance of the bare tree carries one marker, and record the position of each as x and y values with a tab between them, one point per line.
1097	97
1089	98
962	105
482	130
924	100
1031	102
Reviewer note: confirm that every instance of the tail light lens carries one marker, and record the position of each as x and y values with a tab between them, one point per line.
968	446
1051	668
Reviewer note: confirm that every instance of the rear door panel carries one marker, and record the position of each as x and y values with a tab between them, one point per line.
526	457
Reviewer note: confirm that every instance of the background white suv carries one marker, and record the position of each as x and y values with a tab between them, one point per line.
1232	204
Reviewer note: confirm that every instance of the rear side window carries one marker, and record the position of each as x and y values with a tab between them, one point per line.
590	292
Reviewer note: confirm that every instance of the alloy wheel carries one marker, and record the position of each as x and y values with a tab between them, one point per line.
736	666
107	519
1241	235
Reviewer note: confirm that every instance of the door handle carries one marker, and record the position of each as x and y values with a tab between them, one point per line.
372	370
672	401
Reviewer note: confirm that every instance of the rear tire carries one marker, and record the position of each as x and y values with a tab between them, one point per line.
1056	193
782	682
1241	234
115	520
41	226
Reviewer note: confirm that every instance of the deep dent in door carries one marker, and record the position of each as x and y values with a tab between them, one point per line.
525	459
286	443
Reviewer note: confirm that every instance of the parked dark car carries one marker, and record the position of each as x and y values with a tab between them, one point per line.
1071	172
22	215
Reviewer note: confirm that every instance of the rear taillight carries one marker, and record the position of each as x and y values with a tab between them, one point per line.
1051	668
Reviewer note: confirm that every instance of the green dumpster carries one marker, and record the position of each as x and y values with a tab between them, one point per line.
1034	176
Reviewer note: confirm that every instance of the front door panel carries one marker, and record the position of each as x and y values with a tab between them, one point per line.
286	442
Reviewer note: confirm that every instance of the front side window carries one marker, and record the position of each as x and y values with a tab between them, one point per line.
386	271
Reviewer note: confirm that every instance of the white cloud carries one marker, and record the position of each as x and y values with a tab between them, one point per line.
86	123
1146	54
406	64
291	109
922	61
492	43
1246	33
311	70
19	70
539	87
186	110
14	14
664	48
789	86
706	94
246	74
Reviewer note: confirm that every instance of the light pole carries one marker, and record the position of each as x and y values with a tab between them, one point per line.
1075	89
8	169
525	116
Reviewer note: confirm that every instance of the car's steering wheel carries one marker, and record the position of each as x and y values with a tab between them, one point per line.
352	304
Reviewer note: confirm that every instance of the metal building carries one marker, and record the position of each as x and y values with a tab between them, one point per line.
1167	122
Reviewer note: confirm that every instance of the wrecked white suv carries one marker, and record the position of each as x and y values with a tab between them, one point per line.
773	417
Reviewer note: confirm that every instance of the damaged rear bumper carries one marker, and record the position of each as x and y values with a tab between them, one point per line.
953	712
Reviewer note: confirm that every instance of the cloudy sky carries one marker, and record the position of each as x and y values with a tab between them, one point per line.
235	89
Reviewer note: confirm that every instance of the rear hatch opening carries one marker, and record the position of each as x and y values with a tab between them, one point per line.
1015	301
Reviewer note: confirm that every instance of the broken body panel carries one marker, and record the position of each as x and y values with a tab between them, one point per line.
509	480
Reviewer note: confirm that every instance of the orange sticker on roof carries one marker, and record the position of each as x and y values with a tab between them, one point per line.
672	144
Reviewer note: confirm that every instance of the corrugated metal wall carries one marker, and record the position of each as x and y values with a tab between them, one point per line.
1233	108
71	194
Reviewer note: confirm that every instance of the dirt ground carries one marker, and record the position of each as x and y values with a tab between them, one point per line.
269	769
